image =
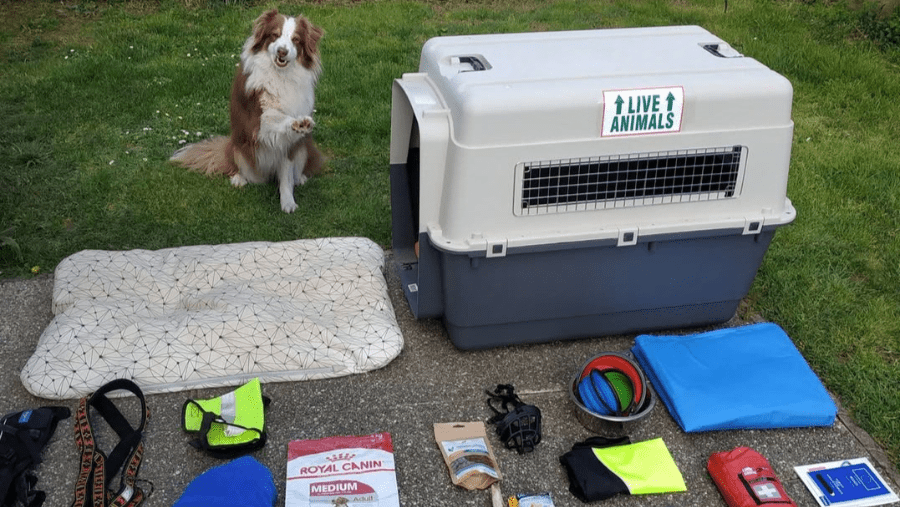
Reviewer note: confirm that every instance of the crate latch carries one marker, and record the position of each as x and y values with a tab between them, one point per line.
753	225
627	237
496	248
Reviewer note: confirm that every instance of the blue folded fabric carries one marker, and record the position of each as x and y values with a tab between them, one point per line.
750	377
243	482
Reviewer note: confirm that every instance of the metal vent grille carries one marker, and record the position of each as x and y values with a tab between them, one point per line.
629	180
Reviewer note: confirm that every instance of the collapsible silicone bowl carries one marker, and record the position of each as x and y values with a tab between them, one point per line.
609	424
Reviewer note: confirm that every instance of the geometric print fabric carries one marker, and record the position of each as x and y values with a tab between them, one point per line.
215	315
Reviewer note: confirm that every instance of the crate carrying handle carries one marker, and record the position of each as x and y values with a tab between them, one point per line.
474	61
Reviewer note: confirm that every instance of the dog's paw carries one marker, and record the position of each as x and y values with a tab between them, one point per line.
304	125
301	180
288	207
238	180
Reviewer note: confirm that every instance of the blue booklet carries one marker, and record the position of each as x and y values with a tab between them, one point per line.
848	483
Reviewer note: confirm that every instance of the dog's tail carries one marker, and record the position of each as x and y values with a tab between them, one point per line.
211	156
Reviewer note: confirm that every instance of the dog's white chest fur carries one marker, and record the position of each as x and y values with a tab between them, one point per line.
289	90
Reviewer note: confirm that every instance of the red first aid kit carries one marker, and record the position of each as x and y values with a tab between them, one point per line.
745	479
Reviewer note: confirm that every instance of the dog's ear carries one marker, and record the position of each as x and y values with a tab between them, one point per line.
307	37
263	27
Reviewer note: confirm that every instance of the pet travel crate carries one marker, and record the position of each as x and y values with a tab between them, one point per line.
569	184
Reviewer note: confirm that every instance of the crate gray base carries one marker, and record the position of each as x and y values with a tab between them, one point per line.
638	321
585	290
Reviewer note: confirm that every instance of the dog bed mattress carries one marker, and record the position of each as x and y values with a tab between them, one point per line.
209	316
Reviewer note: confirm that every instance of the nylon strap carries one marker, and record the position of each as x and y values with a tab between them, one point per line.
91	488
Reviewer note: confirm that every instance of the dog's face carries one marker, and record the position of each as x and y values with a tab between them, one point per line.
287	40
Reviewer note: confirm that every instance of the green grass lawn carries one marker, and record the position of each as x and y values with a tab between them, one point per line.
95	96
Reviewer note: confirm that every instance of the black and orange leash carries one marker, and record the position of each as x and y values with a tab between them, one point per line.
98	469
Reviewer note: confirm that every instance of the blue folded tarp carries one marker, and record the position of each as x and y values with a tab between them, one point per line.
750	377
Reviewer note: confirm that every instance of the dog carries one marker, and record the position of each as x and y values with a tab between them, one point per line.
272	99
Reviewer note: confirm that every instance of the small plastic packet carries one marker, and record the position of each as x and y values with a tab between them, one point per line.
541	500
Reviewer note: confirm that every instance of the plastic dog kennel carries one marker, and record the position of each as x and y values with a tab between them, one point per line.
569	184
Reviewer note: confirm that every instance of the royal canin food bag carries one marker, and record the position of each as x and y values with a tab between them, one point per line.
352	471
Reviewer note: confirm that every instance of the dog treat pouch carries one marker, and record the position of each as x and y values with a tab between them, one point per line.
468	454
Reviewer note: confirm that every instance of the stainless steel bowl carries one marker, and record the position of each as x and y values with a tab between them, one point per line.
608	424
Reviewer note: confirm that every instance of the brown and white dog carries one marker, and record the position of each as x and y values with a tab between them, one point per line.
272	102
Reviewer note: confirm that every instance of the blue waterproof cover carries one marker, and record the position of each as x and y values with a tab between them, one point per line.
243	482
750	377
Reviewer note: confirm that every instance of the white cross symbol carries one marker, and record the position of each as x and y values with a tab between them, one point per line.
766	491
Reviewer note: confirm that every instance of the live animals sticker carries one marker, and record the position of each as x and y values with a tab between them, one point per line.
642	111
